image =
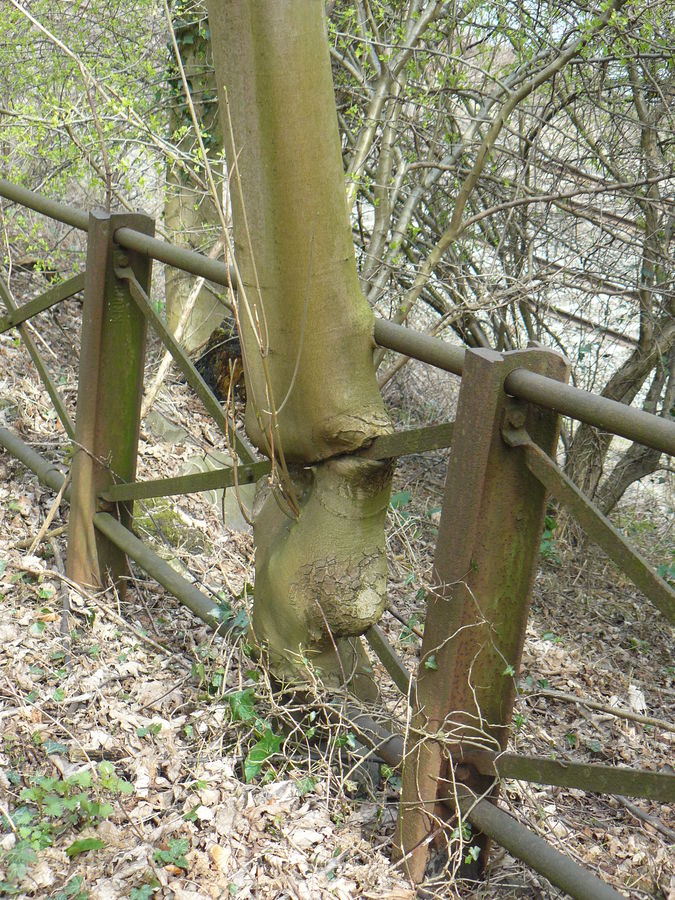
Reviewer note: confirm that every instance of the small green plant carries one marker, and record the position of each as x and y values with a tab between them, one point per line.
408	636
151	730
242	705
51	807
73	890
472	855
398	501
390	777
305	785
17	861
346	739
144	892
260	753
84	846
174	855
548	547
465	832
552	637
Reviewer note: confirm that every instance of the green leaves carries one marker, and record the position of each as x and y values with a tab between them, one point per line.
112	782
260	752
242	705
152	729
84	846
399	499
174	855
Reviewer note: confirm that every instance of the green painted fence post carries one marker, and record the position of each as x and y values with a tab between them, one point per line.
110	386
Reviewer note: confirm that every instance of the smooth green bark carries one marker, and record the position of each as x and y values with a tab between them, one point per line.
308	338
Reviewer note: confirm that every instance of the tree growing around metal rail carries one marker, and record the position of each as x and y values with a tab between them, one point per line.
307	330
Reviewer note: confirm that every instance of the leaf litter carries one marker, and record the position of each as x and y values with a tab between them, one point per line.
135	691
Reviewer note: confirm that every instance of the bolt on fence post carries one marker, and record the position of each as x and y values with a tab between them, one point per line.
112	357
485	561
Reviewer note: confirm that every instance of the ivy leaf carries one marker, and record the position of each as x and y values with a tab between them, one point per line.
400	499
242	704
260	752
84	846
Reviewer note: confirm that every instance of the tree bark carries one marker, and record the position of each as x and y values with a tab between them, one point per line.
190	215
307	336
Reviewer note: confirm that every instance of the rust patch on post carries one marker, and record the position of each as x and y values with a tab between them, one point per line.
487	551
110	385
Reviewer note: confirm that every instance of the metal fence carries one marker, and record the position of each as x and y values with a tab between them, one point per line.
500	474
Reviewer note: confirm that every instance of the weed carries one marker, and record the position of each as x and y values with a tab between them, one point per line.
548	548
50	807
174	855
266	747
407	635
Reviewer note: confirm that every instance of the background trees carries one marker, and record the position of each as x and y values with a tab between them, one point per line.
509	167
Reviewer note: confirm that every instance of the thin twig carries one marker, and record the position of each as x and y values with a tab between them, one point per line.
645	817
49	518
619	711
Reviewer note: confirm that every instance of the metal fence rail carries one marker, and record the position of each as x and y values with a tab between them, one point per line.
631	423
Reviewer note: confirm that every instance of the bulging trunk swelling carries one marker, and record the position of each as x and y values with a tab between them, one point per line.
321	577
307	337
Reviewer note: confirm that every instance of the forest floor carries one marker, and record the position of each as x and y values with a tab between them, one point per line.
141	756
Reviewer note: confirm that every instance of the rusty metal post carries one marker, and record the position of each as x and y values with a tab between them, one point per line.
486	556
110	386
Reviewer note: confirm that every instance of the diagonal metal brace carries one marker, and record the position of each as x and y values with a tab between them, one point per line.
186	366
46	300
38	362
595	524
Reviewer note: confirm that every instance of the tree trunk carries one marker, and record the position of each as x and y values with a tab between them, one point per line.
639	461
307	336
588	451
190	214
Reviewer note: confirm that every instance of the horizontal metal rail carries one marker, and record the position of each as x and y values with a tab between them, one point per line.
186	484
46	300
608	415
69	215
410	440
386	446
179	257
617	418
419	346
585	776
